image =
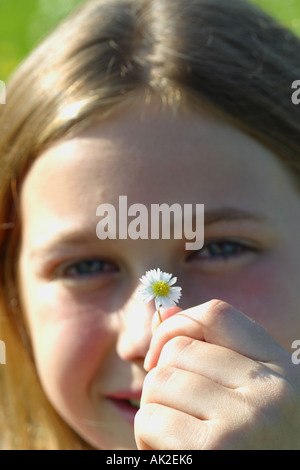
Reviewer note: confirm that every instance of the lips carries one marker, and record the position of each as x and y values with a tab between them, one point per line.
126	404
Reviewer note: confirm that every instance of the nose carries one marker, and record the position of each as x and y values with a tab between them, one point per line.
135	331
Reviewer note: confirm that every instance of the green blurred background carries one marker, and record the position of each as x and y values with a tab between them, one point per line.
23	23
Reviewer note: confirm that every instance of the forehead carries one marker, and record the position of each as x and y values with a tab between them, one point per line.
153	155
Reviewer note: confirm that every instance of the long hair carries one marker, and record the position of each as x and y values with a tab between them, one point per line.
224	57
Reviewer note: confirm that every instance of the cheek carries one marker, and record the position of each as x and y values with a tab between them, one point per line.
267	292
71	340
267	295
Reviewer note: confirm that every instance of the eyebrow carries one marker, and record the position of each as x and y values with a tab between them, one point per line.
81	237
64	239
231	214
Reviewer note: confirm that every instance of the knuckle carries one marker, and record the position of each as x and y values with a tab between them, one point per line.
217	307
154	382
173	348
214	314
158	376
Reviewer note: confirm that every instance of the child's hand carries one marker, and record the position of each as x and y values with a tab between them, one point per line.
218	380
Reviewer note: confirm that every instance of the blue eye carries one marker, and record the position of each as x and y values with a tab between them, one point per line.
223	250
87	268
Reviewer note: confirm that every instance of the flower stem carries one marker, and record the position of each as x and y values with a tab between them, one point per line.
159	316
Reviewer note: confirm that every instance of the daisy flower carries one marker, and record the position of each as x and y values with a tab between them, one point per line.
158	285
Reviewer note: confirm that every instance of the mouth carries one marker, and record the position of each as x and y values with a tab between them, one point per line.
126	407
135	402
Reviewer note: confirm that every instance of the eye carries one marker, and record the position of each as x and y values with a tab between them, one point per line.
86	268
223	250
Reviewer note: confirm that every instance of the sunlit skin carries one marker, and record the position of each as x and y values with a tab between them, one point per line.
91	331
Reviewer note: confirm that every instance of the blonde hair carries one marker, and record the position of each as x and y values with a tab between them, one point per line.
223	56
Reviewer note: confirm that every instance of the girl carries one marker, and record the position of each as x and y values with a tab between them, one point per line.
164	101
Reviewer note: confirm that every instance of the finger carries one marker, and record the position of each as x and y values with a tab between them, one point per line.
188	392
218	323
164	315
221	365
161	428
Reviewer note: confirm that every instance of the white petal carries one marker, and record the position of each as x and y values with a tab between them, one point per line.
175	299
175	294
158	275
148	298
175	289
167	302
172	281
166	277
143	290
152	276
144	280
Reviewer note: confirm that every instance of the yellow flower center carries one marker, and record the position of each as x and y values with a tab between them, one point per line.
161	288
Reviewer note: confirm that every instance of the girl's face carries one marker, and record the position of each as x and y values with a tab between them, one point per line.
90	330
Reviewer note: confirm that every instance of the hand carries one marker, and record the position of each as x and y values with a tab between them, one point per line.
217	380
